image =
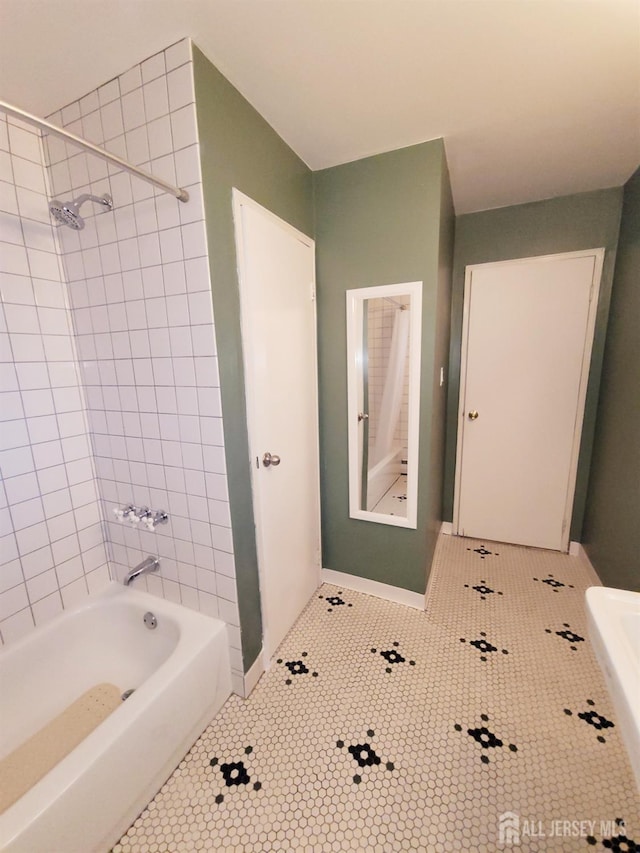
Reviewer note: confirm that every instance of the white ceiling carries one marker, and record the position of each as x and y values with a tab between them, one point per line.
534	98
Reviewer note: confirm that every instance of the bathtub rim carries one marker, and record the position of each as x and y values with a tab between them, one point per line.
200	634
615	655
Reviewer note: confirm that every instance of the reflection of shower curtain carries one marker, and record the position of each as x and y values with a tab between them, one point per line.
393	387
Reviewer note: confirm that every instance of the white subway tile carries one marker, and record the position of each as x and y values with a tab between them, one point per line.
17	626
27	513
129	254
194	240
152	281
149	245
13	259
156	98
74	593
4	134
10	575
56	503
187	162
37	561
131	79
98	579
56	347
16	462
133	111
178	53
22	319
11	406
8	378
8	200
160	141
28	175
181	341
222	538
197	270
228	611
13	434
43	264
16	289
52	479
25	144
46	454
112	122
79	171
153	67
32	538
180	85
13	600
184	127
109	92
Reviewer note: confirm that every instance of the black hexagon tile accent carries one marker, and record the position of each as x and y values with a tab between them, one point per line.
483	589
335	601
483	646
486	738
364	755
554	583
593	718
297	667
567	634
234	774
483	551
620	842
392	656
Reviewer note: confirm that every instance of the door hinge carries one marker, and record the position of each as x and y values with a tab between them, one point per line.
313	292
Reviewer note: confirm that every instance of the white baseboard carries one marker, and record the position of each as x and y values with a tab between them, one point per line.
447	528
252	677
369	587
577	550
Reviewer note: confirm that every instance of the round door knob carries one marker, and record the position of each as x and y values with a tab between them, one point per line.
473	415
270	459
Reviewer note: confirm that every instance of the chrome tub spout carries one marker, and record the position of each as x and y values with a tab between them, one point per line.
150	564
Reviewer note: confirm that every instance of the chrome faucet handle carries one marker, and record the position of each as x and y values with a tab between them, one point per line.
124	512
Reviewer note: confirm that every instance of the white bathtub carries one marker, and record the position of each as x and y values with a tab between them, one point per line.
614	628
384	474
181	674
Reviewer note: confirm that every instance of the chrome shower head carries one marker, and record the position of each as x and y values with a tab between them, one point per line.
68	212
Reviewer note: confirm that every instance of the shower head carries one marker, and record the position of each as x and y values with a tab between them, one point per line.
68	212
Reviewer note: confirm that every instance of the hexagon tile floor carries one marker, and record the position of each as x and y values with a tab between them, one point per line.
481	724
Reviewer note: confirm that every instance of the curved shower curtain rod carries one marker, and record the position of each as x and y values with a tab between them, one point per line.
16	112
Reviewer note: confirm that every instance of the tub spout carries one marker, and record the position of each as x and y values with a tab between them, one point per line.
150	564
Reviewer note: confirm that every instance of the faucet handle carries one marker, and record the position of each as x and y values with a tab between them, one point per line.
119	513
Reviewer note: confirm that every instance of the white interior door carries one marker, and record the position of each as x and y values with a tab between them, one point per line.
277	298
527	336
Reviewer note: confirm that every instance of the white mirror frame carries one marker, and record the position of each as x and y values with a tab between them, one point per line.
355	316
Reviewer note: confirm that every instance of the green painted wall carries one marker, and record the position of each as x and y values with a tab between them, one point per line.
612	529
381	220
565	224
239	149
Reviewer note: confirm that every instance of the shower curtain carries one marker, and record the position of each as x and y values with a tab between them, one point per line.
393	387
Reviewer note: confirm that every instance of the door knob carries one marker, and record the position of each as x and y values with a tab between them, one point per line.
270	459
473	415
363	416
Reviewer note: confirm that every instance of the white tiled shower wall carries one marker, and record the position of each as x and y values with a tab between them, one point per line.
140	302
51	547
381	314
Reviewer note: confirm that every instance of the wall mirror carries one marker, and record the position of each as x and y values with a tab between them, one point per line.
383	379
